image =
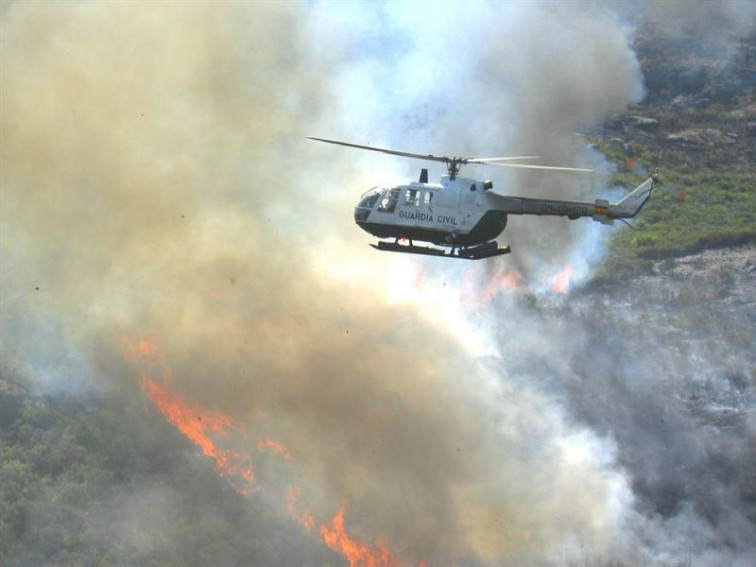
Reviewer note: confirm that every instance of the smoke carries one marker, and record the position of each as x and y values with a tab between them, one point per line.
667	375
156	183
491	80
716	24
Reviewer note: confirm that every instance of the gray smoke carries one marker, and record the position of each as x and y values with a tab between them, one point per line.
156	183
716	25
664	369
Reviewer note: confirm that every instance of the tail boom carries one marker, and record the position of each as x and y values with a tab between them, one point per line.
601	210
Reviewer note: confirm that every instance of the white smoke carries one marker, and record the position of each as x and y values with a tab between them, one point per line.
157	180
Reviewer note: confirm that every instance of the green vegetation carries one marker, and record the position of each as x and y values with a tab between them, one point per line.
695	208
111	483
707	198
696	127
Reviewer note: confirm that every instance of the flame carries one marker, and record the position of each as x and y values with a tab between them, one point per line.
195	422
202	427
278	448
297	511
479	294
357	553
561	282
507	280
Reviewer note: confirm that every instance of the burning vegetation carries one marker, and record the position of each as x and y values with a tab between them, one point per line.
202	427
209	429
300	410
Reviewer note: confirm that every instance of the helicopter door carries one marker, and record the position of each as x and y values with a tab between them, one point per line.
427	202
388	204
412	198
470	204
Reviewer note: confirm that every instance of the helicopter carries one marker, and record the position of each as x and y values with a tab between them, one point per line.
460	216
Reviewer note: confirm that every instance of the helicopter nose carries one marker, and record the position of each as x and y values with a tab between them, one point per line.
361	214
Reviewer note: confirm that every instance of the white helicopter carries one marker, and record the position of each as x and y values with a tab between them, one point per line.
462	215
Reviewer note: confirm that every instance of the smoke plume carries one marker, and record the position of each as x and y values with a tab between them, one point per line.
157	184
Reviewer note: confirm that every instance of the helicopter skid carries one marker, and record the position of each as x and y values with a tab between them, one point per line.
487	250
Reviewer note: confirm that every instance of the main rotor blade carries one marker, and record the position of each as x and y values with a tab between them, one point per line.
385	151
455	161
523	166
489	159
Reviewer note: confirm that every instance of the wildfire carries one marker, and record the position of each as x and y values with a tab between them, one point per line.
508	280
203	427
357	553
481	294
278	448
297	511
561	282
195	422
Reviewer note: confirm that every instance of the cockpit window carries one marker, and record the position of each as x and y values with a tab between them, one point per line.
388	204
413	197
369	200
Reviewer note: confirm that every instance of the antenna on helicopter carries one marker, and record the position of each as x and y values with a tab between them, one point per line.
453	164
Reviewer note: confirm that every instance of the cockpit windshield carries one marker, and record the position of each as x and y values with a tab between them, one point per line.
366	204
369	198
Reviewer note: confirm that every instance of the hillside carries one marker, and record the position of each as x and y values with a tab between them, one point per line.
697	127
91	480
612	424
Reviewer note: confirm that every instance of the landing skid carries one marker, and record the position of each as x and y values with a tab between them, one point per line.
487	250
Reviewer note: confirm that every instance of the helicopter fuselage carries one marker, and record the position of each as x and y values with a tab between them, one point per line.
458	212
463	213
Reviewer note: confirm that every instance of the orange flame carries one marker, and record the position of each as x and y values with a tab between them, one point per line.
202	426
297	511
508	280
561	282
357	553
278	448
335	537
476	294
195	422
